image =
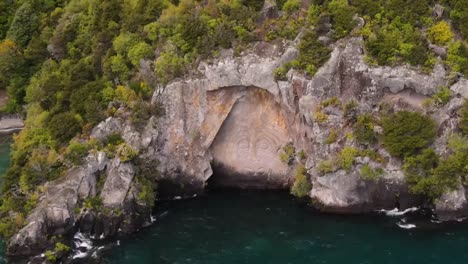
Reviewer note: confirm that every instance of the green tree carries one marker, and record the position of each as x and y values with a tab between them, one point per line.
407	132
138	52
64	126
440	33
9	56
312	53
24	25
342	17
291	6
119	67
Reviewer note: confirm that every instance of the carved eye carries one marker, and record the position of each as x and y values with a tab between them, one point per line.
243	144
263	143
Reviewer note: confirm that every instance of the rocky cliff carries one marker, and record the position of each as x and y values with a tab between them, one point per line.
228	127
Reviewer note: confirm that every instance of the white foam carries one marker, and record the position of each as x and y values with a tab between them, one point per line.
396	212
406	226
80	255
81	241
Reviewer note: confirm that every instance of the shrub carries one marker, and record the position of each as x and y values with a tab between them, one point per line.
431	177
146	178
301	186
147	192
350	111
287	154
312	53
169	66
141	113
119	67
418	173
94	203
442	97
332	101
113	139
140	51
364	129
440	33
280	73
464	118
64	126
457	57
126	153
346	157
76	151
24	24
291	6
332	136
459	16
320	117
368	173
326	166
61	248
407	132
342	17
372	154
302	155
50	256
125	95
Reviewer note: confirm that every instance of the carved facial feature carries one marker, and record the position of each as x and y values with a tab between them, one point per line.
250	138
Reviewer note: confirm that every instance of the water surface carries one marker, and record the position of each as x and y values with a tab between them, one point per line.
265	227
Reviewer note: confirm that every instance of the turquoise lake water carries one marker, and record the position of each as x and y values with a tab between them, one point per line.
265	227
273	228
5	141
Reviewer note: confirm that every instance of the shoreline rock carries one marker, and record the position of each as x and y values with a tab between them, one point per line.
207	121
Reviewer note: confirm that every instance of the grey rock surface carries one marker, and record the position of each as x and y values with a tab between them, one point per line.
235	117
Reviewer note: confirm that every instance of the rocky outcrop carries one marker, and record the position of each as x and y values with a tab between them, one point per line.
10	123
77	202
54	215
346	192
452	205
234	119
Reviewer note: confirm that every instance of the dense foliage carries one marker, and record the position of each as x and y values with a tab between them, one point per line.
407	132
301	186
431	176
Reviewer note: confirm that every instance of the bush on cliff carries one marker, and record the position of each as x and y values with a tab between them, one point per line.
464	118
370	174
346	157
440	33
429	175
407	132
301	186
364	129
312	53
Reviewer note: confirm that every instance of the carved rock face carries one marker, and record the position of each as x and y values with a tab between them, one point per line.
246	149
